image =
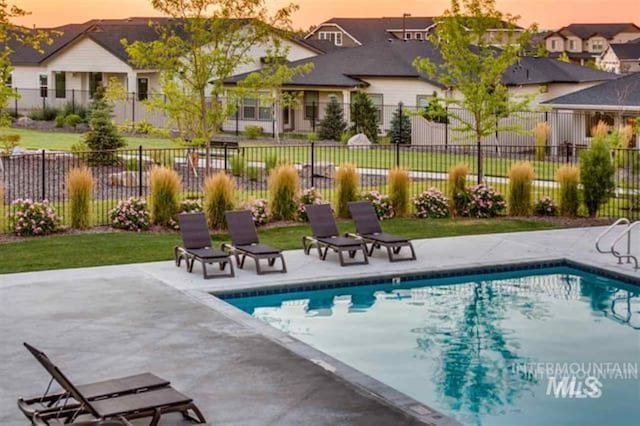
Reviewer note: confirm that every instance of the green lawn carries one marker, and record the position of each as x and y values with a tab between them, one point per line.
60	141
83	250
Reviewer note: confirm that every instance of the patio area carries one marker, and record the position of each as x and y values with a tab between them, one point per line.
105	322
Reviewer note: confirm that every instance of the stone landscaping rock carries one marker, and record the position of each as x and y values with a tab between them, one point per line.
323	169
126	179
359	141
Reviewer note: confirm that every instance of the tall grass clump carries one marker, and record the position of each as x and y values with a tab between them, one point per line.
597	174
521	177
399	191
80	185
284	189
347	182
457	188
541	136
218	198
568	178
164	195
600	130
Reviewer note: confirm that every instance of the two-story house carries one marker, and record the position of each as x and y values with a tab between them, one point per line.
584	43
352	32
621	58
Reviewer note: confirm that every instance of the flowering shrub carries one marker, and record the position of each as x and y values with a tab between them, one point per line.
259	211
381	203
131	215
33	218
308	196
545	207
186	206
431	204
484	202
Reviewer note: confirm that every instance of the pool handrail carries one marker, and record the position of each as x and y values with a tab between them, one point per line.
621	221
628	256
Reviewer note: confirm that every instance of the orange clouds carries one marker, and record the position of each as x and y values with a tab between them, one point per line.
548	13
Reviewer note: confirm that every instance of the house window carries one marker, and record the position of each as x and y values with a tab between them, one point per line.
143	88
44	85
572	45
61	84
597	45
249	109
596	117
95	81
9	81
422	101
553	44
311	106
418	36
265	113
334	36
407	36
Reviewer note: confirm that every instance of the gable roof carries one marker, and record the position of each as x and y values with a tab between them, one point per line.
626	51
107	33
586	31
614	94
372	30
349	67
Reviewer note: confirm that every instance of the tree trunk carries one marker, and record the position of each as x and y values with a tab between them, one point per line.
480	159
205	131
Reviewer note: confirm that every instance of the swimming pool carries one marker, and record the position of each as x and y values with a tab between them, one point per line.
554	346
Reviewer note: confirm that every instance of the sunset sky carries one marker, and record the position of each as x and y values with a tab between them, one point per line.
547	13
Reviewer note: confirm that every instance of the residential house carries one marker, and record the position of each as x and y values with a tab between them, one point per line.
83	56
615	102
621	58
353	32
385	71
584	43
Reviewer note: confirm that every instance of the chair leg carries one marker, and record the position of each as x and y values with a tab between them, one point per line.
199	418
258	269
284	264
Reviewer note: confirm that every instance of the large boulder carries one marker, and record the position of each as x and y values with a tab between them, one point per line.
126	179
359	141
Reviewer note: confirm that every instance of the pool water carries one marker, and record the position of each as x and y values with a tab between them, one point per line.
539	347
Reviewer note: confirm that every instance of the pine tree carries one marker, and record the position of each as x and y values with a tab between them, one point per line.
103	136
400	131
332	125
364	115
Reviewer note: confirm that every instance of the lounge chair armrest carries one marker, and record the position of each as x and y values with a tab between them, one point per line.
352	235
227	248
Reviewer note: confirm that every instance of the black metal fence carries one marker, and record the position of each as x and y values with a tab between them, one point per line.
42	175
302	118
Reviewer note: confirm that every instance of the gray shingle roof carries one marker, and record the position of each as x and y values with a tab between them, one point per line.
371	30
346	67
609	31
626	50
624	91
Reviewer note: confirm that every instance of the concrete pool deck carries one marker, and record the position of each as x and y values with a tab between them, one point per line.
118	320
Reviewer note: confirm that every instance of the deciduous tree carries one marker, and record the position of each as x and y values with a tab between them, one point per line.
473	66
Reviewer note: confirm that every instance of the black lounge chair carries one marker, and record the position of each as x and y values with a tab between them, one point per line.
368	228
197	246
327	236
117	409
245	243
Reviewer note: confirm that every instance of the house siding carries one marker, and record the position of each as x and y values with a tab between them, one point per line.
347	41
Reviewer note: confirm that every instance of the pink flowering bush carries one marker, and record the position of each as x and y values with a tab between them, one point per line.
308	196
483	202
186	206
431	204
259	211
32	218
545	207
131	215
381	203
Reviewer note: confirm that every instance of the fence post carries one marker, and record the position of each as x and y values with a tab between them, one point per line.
313	161
140	171
226	152
237	118
73	101
273	119
446	128
133	108
400	134
313	116
15	104
397	155
44	176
